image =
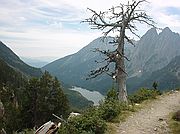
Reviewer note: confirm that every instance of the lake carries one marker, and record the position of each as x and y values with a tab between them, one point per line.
93	96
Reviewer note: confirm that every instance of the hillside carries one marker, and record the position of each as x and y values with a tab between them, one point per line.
9	76
76	100
167	78
151	53
15	72
8	56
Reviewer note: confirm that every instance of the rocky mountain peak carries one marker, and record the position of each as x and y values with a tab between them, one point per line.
150	36
166	30
152	31
166	33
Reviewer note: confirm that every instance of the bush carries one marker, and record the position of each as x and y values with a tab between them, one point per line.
67	129
111	107
143	94
93	120
88	123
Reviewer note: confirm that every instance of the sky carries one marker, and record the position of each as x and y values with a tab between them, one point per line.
53	28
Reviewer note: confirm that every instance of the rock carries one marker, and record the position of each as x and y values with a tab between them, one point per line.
2	131
72	114
1	109
155	129
160	119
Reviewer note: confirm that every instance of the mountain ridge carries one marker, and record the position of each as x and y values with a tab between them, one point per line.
152	52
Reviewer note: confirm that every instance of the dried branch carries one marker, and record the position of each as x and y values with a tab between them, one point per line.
129	40
99	71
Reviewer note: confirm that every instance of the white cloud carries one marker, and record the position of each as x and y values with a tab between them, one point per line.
52	27
49	42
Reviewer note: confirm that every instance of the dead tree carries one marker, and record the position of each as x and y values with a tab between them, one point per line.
118	19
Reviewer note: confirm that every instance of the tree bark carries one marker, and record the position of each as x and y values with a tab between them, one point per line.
121	81
121	75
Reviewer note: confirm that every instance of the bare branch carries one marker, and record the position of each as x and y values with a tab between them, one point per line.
130	41
117	19
99	71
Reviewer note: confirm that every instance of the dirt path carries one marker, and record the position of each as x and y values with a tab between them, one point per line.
152	119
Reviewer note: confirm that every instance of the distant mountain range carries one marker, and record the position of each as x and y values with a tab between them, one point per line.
153	52
34	62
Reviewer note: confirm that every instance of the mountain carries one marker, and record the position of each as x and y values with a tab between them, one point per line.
74	69
8	56
167	77
154	51
34	62
151	53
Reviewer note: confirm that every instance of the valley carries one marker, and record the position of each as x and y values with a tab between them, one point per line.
89	67
155	58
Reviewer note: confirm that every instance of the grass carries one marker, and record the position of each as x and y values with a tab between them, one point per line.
111	128
174	125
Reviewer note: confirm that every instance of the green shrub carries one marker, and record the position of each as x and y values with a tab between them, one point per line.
88	123
111	95
67	129
143	94
111	107
93	120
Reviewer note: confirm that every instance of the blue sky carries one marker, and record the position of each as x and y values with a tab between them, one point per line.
36	28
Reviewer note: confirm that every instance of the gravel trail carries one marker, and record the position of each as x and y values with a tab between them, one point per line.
152	119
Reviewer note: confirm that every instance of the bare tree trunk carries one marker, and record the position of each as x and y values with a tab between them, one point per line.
121	81
121	75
